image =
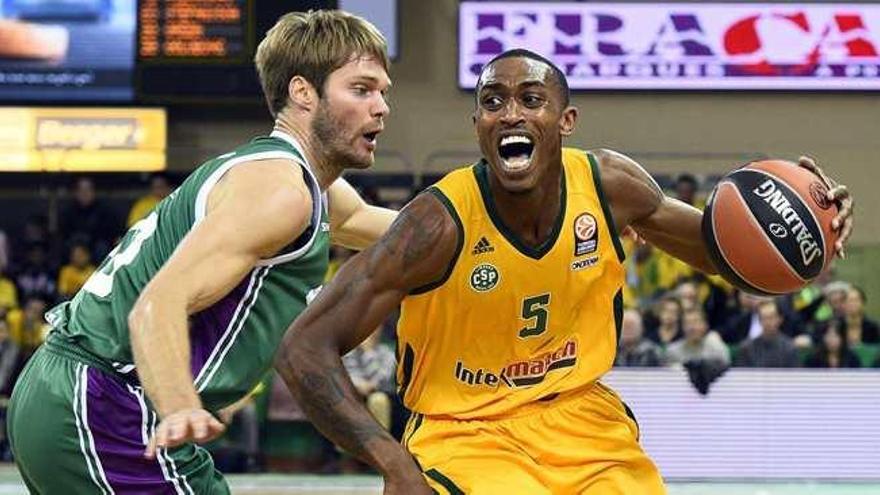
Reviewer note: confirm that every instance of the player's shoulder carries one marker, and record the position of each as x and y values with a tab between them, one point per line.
615	168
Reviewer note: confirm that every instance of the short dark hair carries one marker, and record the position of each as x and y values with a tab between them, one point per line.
686	178
523	53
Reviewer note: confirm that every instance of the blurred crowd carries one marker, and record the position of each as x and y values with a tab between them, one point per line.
674	317
678	316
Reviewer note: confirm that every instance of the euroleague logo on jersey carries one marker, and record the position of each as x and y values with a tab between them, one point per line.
586	234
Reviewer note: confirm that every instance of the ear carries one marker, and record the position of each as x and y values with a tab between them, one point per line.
301	93
568	120
474	122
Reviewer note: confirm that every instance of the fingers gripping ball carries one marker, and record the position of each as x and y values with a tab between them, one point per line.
768	227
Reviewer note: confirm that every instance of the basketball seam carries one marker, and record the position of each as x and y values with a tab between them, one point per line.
754	222
794	192
724	256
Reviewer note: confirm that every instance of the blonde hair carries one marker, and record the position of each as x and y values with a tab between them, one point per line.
312	45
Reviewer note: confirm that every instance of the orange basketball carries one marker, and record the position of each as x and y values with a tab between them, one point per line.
768	227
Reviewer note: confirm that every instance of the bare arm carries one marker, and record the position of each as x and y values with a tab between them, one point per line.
416	251
637	201
210	261
354	223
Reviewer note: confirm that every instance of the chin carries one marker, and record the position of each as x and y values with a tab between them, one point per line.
514	182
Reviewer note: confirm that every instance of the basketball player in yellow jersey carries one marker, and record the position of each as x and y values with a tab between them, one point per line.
509	273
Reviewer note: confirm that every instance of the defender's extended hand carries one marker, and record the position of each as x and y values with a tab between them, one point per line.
187	425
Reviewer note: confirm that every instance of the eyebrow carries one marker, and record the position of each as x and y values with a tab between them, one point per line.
373	79
527	83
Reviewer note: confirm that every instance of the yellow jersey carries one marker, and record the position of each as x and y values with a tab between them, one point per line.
510	324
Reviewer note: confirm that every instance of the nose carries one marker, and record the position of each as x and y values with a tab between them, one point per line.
381	109
512	113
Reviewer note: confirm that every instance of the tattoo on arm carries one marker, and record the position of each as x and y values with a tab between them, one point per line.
323	400
414	252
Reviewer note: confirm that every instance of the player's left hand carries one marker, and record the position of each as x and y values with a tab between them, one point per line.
184	426
843	222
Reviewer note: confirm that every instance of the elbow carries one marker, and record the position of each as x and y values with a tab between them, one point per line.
297	352
138	314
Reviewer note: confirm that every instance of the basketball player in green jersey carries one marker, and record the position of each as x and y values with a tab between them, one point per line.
185	314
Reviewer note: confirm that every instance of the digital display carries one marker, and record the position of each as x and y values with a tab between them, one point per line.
217	29
757	424
795	46
203	50
70	50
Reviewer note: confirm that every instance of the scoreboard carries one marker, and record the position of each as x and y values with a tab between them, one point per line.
195	29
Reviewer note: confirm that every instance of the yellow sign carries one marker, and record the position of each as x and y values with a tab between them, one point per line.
82	139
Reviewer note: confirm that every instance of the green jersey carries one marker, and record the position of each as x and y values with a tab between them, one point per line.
233	342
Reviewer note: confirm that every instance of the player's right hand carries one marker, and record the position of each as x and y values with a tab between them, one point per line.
184	426
414	485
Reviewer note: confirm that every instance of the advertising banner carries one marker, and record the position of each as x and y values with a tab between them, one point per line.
82	139
796	46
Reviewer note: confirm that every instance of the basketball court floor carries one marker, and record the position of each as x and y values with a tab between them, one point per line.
275	484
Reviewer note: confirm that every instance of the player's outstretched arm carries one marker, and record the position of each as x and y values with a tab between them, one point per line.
417	250
210	261
637	201
354	223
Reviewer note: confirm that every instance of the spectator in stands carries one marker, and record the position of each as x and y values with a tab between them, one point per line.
27	327
34	231
9	354
89	220
744	324
5	254
36	278
859	328
772	348
642	276
810	303
75	273
9	365
835	294
686	187
8	295
372	366
668	328
687	295
634	349
160	188
699	343
832	350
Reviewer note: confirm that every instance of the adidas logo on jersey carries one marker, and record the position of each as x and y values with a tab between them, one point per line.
482	246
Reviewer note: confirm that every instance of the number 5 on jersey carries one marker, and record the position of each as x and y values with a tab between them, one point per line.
535	308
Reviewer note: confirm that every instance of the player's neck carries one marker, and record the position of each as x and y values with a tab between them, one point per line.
530	214
325	172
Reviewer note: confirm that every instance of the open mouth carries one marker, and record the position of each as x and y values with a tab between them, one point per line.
516	152
371	137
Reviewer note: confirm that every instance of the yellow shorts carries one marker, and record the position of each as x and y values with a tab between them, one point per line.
583	443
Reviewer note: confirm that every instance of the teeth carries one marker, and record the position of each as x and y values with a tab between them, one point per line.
515	139
517	163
